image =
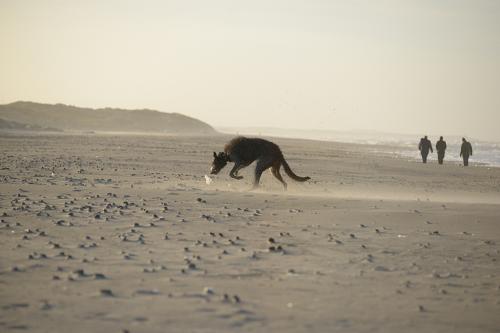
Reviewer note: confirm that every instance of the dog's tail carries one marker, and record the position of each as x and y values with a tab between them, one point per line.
291	174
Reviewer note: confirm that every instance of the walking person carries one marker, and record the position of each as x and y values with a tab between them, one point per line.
424	146
441	148
466	151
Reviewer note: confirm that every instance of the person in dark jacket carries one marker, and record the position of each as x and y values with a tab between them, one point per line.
440	148
466	151
424	146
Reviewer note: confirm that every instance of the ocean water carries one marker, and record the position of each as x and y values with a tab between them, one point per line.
402	145
486	153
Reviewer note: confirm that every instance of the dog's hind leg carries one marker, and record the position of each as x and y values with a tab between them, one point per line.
276	172
262	165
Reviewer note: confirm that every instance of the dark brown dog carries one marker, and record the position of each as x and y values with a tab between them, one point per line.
243	151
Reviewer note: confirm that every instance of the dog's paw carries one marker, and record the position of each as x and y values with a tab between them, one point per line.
239	177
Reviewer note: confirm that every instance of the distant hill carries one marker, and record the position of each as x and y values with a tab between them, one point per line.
13	125
67	117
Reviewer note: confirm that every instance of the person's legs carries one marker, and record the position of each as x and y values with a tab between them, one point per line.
440	158
466	160
424	158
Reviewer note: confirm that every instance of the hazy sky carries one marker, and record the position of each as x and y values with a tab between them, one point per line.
402	66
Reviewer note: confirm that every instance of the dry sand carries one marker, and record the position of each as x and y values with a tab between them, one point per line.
104	233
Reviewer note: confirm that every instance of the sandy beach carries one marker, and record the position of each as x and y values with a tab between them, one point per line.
122	233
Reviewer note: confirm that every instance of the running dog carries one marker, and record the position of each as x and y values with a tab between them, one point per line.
243	151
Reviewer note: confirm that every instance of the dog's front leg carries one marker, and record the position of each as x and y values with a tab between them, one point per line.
234	171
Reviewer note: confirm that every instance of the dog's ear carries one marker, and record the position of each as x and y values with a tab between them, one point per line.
215	155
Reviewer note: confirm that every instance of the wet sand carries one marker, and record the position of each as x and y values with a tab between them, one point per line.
116	233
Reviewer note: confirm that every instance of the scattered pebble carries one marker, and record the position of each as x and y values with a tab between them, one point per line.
106	292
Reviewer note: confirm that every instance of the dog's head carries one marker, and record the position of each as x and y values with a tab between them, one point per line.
220	161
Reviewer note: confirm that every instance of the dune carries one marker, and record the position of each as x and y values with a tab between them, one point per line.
15	126
72	118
